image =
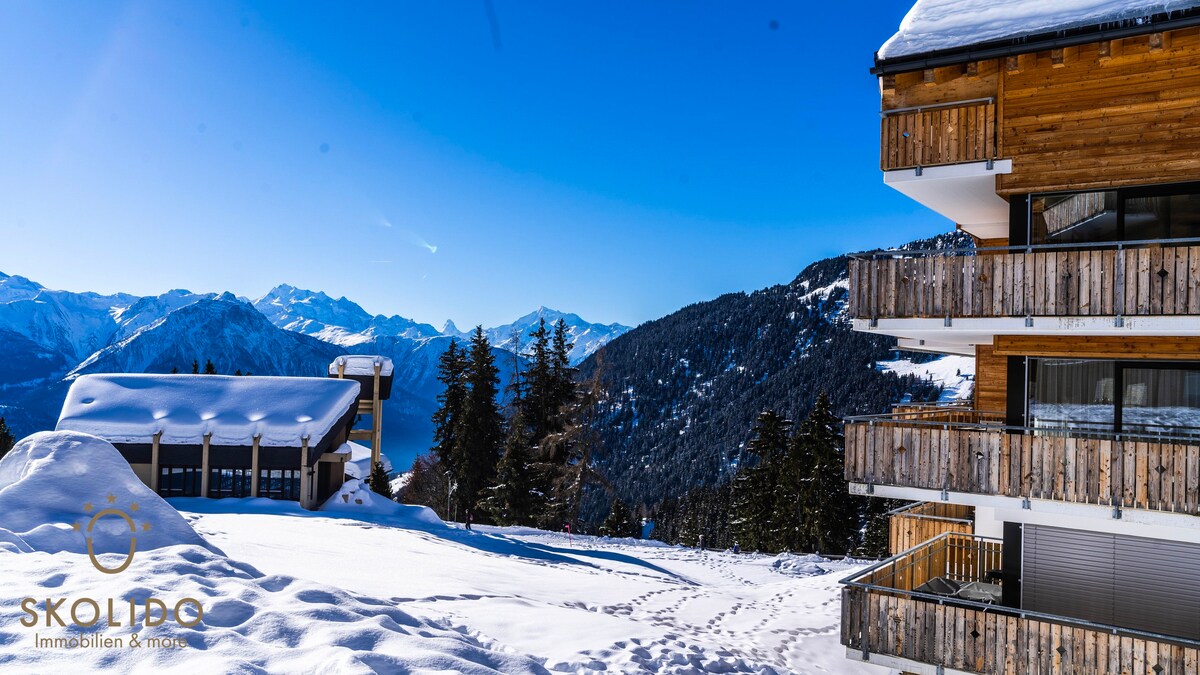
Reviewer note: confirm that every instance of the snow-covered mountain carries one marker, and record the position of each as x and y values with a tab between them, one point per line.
587	337
49	337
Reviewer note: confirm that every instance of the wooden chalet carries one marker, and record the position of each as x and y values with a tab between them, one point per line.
222	436
1057	528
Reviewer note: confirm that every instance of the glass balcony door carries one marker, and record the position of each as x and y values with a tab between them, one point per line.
1147	213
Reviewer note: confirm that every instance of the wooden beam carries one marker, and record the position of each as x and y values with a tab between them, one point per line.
1157	41
973	69
929	77
154	460
376	414
1012	64
254	465
1172	348
887	84
204	465
1057	58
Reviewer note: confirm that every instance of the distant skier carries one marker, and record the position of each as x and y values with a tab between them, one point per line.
470	518
736	548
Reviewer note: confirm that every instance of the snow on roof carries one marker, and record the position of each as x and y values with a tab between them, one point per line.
935	25
362	364
127	408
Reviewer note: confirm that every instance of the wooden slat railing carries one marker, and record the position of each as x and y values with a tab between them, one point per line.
1129	472
912	525
983	641
1043	281
950	133
882	614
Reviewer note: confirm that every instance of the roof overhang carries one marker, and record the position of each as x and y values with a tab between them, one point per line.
964	193
1025	44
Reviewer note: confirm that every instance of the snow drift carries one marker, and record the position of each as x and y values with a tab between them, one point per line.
52	481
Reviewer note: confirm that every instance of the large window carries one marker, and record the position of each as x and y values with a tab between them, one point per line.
229	483
179	481
1115	396
1125	214
279	483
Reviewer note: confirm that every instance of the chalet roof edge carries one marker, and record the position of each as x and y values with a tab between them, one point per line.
1025	44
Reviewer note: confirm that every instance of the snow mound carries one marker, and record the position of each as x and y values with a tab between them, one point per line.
793	565
359	465
362	364
53	481
356	499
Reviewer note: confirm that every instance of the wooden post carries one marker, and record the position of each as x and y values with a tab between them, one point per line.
341	364
204	466
154	461
304	472
376	413
254	465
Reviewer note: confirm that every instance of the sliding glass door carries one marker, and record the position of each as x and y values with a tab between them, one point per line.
1135	397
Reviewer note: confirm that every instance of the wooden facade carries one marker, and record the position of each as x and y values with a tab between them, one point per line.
991	379
1132	347
921	522
1106	114
1130	473
1160	281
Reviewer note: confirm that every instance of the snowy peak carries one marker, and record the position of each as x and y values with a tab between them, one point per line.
587	337
17	288
314	313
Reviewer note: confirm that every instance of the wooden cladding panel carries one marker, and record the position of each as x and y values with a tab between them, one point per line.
991	380
1080	470
950	135
1106	118
1099	347
973	640
914	527
1161	281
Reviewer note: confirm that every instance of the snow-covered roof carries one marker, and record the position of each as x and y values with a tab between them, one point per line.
937	25
129	408
362	364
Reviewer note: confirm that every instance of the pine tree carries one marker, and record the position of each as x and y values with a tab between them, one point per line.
238	372
538	407
480	428
195	367
563	375
566	467
620	521
174	370
877	537
830	514
514	498
757	519
209	368
452	366
6	438
379	482
427	485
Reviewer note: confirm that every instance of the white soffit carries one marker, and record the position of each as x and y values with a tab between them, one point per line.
964	193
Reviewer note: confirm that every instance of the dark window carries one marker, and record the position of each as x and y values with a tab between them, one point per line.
1144	213
179	481
229	483
279	483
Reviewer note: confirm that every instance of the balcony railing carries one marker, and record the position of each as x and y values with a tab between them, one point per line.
887	609
974	452
910	525
1136	278
948	133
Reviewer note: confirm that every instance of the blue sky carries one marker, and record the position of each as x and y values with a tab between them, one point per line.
615	159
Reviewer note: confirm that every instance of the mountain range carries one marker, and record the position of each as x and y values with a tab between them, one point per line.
49	337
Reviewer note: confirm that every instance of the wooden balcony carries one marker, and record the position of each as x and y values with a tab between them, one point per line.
911	525
1129	279
950	133
982	456
887	611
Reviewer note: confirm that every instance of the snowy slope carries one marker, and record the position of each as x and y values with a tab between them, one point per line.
584	605
338	321
956	374
934	25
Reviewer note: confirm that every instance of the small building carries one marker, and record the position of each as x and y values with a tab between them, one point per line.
374	374
222	436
